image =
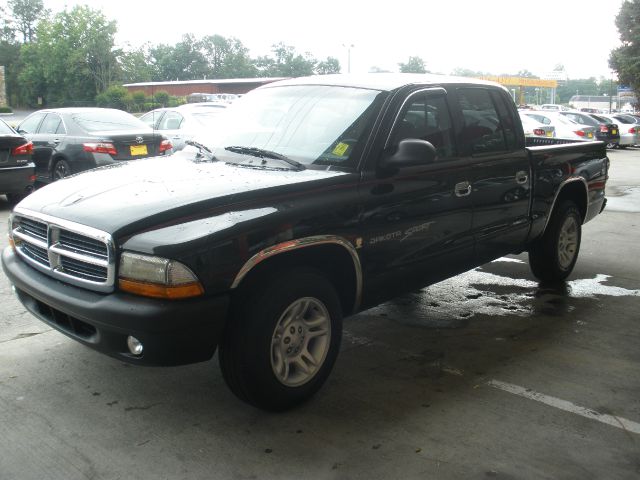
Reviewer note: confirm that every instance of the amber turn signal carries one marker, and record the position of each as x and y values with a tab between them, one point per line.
174	292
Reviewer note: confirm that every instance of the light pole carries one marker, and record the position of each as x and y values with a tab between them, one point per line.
538	96
348	46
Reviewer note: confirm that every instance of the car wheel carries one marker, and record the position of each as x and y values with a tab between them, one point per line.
60	170
283	339
553	256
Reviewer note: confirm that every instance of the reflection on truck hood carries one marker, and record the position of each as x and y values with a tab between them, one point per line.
137	195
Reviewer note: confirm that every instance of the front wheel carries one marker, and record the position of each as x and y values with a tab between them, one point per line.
283	339
553	256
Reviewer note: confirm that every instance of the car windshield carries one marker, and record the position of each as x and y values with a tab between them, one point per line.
311	124
108	120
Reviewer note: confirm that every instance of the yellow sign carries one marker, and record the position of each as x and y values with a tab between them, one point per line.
340	149
522	81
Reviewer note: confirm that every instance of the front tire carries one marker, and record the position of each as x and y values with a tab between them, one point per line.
553	256
283	339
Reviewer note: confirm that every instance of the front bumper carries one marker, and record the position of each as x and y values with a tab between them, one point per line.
172	332
17	180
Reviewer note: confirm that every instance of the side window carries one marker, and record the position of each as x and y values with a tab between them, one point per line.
170	121
151	118
427	117
31	123
51	124
483	129
506	118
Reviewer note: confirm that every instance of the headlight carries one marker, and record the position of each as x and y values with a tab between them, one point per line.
157	277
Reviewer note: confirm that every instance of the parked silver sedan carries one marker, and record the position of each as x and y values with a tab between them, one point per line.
186	121
565	128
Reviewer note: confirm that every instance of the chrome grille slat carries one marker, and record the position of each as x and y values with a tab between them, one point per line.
70	252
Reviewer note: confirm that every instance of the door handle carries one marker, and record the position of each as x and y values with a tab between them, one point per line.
522	178
462	189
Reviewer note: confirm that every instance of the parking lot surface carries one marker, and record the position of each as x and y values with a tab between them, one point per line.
486	375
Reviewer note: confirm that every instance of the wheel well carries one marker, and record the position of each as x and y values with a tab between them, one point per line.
333	261
576	192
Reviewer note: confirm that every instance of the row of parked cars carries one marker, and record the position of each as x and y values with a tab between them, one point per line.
51	144
616	130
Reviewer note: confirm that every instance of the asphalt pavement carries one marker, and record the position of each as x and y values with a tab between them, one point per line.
486	375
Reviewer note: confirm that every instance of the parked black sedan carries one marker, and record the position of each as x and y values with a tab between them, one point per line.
71	140
606	132
17	171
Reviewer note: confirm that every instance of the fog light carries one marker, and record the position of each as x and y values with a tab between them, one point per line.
135	346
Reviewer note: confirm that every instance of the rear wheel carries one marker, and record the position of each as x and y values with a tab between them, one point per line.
283	339
61	169
553	256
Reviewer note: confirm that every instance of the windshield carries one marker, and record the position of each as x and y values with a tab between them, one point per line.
108	120
310	124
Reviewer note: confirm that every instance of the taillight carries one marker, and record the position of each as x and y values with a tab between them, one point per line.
26	149
604	129
580	133
100	147
539	132
165	145
632	130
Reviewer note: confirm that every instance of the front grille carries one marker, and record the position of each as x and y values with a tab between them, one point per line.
70	252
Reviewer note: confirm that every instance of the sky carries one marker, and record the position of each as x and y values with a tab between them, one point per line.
495	36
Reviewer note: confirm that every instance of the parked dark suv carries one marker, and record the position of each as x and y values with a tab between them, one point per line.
71	140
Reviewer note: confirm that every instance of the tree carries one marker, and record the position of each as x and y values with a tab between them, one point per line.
135	65
183	61
73	59
625	60
413	65
328	66
26	13
227	57
285	63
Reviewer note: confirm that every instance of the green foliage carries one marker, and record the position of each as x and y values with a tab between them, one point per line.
26	13
115	97
138	98
413	65
328	66
161	97
625	60
5	110
285	63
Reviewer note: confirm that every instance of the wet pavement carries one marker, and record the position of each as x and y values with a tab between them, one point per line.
486	375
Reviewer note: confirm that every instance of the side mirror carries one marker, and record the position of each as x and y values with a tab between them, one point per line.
411	152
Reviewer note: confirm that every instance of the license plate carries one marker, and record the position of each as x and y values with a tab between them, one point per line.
590	135
614	132
138	150
549	134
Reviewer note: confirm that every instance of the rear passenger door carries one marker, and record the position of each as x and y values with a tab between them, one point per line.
50	135
493	142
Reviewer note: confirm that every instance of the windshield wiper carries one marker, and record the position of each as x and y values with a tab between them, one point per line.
203	151
260	153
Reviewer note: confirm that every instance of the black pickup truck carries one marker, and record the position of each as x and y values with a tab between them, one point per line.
319	198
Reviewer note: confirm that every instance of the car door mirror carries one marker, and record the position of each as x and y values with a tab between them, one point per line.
410	152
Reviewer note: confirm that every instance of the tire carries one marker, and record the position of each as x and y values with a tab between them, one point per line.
554	255
282	340
61	169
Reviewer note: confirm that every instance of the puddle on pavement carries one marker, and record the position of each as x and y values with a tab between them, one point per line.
623	199
451	303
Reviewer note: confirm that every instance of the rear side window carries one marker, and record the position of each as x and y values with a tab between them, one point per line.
52	124
506	118
426	117
31	123
483	129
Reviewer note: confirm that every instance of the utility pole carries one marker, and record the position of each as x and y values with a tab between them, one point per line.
348	46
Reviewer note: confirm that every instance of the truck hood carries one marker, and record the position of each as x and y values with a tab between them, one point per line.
128	197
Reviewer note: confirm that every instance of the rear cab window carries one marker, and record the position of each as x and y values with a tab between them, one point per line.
485	130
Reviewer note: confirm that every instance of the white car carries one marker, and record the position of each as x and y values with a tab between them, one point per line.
186	122
629	130
565	128
534	128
